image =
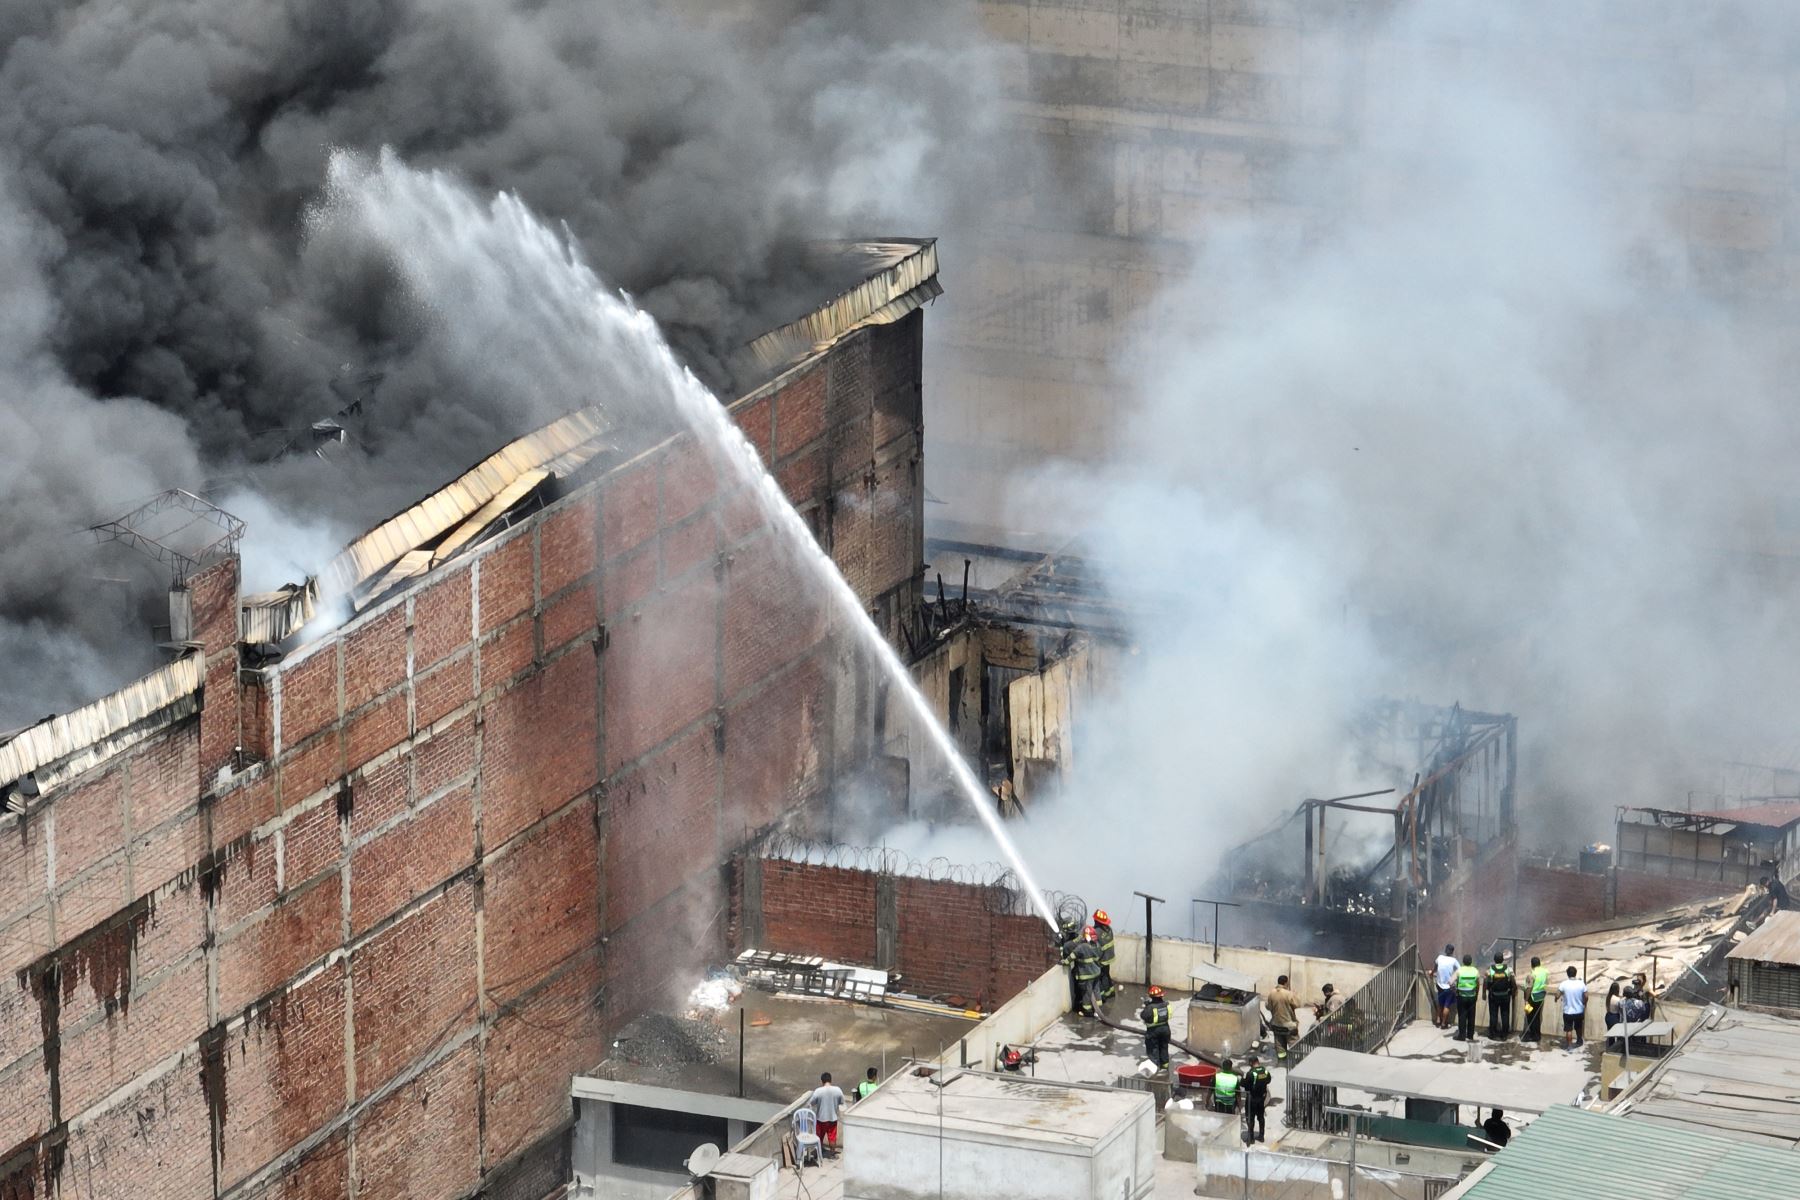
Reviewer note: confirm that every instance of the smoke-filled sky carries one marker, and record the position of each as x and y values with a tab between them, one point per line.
174	320
1447	406
1457	404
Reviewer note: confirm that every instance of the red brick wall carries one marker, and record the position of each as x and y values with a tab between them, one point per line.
950	939
1505	897
1638	893
827	911
486	830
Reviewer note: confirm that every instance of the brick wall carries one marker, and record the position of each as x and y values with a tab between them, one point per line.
948	939
1504	897
483	828
1638	893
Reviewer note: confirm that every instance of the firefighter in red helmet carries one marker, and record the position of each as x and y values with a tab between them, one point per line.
1103	939
1155	1016
1087	972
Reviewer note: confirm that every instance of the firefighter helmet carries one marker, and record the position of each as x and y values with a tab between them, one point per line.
1100	917
1088	934
1155	990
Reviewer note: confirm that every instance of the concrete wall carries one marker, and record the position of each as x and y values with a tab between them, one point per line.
1019	1021
1173	959
948	939
480	819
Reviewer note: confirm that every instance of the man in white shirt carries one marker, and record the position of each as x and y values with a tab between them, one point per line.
826	1100
1574	1007
1446	987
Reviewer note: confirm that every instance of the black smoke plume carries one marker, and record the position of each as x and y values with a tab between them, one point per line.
170	323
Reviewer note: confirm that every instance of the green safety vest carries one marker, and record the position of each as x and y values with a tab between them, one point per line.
864	1088
1500	982
1540	983
1225	1085
1468	981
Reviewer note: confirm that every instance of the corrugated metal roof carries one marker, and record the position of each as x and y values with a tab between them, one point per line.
1485	1084
1665	945
1736	1075
559	447
77	740
266	618
900	277
1776	815
1570	1151
1777	940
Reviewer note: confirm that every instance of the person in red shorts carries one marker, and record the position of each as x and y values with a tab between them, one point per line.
826	1100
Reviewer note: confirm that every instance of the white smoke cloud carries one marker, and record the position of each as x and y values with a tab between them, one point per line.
1452	408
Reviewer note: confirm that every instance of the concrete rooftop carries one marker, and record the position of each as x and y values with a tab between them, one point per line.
788	1041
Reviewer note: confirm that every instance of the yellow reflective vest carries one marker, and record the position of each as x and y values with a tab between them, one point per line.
1468	981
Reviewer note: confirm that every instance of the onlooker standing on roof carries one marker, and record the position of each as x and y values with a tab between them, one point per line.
1446	987
1646	993
1777	892
1468	990
1574	1008
1615	1000
1103	940
1499	987
825	1101
867	1086
1495	1129
1284	1016
1256	1099
1534	1002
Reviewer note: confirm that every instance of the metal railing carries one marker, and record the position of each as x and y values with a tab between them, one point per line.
1370	1015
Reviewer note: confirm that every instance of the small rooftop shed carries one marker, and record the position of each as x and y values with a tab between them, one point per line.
1765	967
972	1135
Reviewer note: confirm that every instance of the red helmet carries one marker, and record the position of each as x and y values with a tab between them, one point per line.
1155	989
1100	917
1088	934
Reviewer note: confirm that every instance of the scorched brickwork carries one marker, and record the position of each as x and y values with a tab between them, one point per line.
349	930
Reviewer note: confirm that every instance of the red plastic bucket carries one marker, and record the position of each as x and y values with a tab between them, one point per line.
1195	1075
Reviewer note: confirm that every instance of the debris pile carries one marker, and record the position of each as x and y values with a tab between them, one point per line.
663	1042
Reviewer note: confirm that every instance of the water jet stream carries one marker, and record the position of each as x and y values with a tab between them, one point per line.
530	315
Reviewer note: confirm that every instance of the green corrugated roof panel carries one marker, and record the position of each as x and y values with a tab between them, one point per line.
1594	1152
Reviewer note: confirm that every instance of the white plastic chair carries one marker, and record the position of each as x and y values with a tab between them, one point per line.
806	1136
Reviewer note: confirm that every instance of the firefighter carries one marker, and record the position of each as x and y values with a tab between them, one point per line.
1534	1002
1155	1016
1066	939
1225	1088
1087	972
1103	932
1468	990
1499	987
1256	1099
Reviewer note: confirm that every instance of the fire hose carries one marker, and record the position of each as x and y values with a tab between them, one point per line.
1140	1031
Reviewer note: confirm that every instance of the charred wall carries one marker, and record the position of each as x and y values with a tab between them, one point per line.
349	931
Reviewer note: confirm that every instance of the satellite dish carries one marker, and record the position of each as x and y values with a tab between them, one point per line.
704	1158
